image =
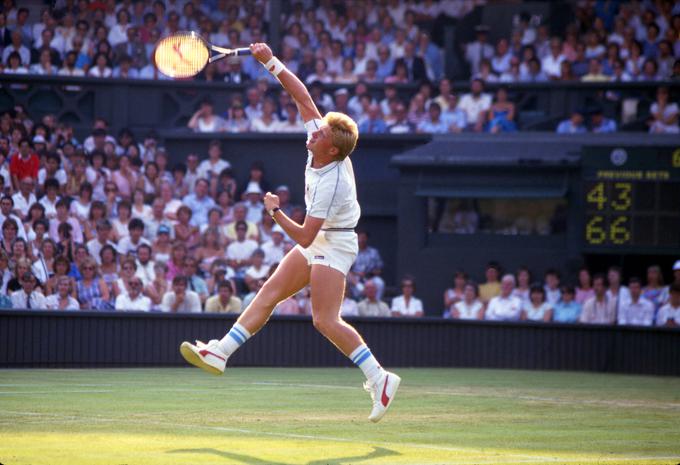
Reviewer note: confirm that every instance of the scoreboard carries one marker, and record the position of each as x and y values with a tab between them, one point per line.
631	199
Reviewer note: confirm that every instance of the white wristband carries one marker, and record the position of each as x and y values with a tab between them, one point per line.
274	66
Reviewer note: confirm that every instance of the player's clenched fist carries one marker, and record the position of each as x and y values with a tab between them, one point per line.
271	201
261	52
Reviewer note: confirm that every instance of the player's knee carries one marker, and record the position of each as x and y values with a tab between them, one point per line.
324	324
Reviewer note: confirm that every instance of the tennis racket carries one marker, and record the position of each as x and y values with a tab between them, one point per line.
185	54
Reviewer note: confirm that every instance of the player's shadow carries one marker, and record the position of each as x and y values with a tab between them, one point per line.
377	452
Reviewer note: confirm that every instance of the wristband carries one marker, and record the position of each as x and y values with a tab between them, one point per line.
273	210
274	66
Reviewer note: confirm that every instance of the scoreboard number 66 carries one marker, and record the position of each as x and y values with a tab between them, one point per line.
610	227
617	232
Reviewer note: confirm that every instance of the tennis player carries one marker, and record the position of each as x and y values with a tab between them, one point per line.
326	246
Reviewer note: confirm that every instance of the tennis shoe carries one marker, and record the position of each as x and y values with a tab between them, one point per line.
208	357
382	391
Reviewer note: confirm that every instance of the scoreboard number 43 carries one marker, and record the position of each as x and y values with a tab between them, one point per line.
609	227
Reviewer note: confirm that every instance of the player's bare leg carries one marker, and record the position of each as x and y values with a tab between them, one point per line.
327	291
290	276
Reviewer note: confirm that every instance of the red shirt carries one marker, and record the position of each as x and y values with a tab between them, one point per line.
22	168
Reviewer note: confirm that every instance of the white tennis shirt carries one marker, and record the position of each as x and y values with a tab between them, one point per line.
330	191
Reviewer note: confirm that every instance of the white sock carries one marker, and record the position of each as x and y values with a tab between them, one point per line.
235	338
364	359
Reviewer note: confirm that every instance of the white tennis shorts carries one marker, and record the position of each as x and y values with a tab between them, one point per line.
336	249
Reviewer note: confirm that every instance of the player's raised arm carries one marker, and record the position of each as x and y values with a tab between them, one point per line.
288	80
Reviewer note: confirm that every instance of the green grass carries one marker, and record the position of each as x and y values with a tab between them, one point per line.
318	416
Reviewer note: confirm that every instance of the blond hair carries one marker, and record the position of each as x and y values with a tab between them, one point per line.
345	132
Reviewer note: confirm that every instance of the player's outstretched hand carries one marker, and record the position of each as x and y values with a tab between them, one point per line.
271	201
261	52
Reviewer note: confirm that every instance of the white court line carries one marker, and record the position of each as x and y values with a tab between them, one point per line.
522	458
66	391
469	393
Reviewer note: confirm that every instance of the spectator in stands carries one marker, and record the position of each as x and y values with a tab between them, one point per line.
599	309
374	123
180	299
468	308
205	119
538	308
552	286
573	125
475	105
552	63
434	124
199	203
455	294
225	301
239	252
407	304
415	65
513	73
61	299
16	47
669	314
599	124
480	49
616	291
134	301
27	297
213	166
24	164
93	293
505	306
664	114
523	287
372	306
584	290
25	197
637	311
567	310
655	290
267	121
492	287
101	68
502	113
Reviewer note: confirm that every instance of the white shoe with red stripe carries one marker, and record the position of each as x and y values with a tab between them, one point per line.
382	392
208	357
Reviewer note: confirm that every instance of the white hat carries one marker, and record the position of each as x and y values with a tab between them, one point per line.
39	139
676	265
282	187
278	229
253	188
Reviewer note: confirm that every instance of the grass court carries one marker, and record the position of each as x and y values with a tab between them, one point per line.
318	416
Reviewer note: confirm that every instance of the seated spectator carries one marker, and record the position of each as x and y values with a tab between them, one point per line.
513	74
240	251
455	294
292	123
552	63
129	244
14	64
595	73
407	304
214	164
599	124
257	269
664	114
492	287
486	72
371	305
479	49
27	297
374	122
534	73
655	289
146	267
268	121
522	290
434	124
469	308
349	306
669	314
637	311
584	290
101	68
538	308
502	114
238	121
179	299
93	293
159	286
195	281
134	301
475	105
573	125
617	291
5	300
552	286
401	124
504	307
567	310
225	301
205	120
599	309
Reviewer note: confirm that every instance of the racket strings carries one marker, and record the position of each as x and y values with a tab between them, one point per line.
181	56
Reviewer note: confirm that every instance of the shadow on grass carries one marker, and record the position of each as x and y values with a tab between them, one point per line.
377	452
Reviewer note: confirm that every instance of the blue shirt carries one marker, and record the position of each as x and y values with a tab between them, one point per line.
565	127
199	208
566	312
438	127
373	126
607	125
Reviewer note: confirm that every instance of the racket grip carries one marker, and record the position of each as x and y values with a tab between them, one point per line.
242	51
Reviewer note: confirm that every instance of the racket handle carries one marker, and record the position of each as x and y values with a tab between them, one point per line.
242	51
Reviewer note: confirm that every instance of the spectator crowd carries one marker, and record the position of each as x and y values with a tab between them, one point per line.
353	44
